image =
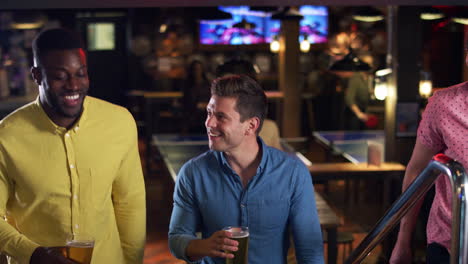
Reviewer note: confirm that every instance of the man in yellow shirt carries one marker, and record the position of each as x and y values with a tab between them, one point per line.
69	165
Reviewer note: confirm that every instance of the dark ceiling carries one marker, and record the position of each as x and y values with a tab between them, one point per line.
46	4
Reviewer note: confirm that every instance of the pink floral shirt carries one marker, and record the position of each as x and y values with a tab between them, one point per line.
444	128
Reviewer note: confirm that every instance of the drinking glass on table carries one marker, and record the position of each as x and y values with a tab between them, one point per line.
241	235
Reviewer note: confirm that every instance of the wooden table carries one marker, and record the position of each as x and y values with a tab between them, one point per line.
340	170
387	172
353	146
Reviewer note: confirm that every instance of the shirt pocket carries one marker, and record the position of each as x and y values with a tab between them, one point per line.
269	215
94	192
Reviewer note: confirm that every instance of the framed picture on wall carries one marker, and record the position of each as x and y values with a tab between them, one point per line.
407	117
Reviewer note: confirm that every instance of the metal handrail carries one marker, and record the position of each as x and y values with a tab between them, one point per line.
439	164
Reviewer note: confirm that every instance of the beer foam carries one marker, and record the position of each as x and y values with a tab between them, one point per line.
240	235
237	232
80	244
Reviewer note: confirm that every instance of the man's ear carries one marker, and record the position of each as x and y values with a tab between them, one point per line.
36	75
253	125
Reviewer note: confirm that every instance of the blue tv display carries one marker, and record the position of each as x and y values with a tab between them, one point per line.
314	26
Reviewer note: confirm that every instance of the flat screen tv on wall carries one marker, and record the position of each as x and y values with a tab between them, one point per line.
259	27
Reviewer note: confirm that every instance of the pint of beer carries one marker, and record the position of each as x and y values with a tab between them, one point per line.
241	235
79	249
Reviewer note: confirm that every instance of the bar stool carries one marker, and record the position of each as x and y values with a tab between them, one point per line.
345	239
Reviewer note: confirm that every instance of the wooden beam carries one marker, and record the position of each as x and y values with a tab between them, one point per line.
289	78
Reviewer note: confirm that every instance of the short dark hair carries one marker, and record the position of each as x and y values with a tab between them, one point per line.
251	99
237	66
55	39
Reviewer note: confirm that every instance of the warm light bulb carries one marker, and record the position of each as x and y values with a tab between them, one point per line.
27	25
380	90
425	88
461	20
305	46
162	28
275	46
368	18
431	16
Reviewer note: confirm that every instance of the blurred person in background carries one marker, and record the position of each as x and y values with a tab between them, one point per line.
196	96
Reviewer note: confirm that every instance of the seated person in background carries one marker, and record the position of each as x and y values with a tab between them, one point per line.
270	131
270	134
242	182
196	96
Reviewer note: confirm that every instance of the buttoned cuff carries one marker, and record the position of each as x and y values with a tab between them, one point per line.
178	245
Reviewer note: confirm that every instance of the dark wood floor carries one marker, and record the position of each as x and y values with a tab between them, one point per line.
159	189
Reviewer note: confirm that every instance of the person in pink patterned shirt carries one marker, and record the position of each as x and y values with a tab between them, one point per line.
443	129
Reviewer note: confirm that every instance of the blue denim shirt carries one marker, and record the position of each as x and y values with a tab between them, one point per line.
278	200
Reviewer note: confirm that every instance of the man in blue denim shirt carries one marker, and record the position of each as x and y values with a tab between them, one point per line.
243	182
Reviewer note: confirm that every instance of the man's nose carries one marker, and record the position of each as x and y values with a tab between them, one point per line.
209	121
73	83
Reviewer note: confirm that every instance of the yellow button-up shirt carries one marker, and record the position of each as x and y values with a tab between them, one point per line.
56	182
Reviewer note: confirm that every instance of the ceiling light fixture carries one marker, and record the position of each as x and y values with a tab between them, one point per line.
431	13
461	16
368	14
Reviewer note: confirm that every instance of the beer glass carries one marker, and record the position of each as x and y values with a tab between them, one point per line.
241	235
79	248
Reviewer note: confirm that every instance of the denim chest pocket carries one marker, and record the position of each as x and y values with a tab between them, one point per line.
268	214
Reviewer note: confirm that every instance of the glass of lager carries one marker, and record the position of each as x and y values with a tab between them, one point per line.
241	235
79	248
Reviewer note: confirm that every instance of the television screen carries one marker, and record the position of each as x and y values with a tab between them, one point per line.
259	27
314	25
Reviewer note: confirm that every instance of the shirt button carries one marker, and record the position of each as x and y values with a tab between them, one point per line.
72	166
67	135
242	205
77	226
76	128
75	197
